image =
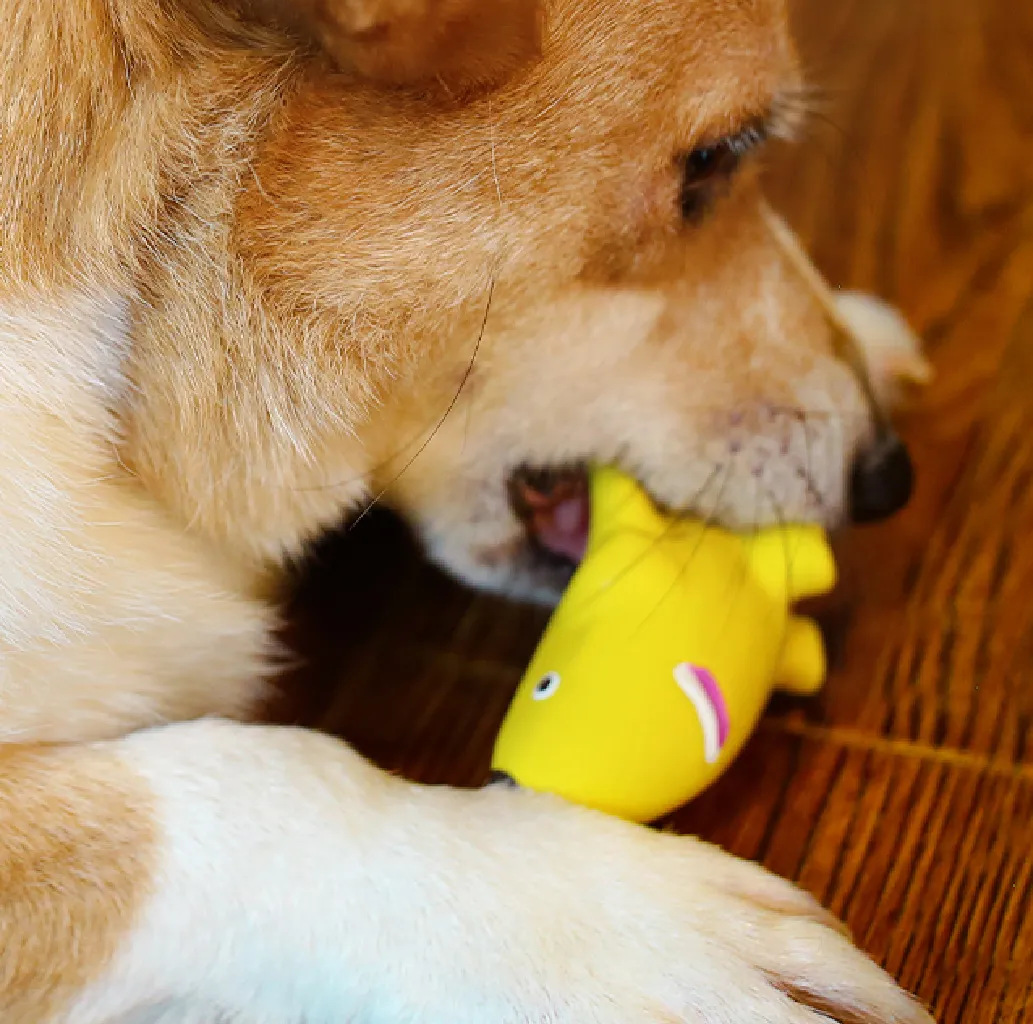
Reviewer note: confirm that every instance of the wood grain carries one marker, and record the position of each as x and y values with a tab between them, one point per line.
903	797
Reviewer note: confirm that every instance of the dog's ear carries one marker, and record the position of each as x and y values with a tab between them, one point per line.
460	45
896	365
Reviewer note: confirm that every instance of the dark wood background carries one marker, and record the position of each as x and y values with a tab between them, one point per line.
903	797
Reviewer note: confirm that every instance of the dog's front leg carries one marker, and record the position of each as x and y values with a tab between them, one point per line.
213	871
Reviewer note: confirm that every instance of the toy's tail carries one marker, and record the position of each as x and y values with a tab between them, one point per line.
801	665
792	562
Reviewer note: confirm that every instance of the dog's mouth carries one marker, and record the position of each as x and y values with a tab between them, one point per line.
553	505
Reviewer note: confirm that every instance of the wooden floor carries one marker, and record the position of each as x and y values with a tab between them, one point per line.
903	797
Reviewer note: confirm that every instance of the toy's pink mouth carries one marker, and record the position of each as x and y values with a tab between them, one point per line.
701	688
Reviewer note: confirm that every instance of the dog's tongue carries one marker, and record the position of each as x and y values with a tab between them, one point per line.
564	528
559	519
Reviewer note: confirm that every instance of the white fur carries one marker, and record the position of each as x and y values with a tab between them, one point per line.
298	885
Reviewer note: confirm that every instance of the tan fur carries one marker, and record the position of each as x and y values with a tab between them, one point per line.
91	646
452	45
76	864
241	284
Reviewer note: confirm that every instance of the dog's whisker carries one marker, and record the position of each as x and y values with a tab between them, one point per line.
423	437
707	521
782	520
813	491
693	501
444	416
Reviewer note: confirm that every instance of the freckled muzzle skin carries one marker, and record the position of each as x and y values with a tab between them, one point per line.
617	710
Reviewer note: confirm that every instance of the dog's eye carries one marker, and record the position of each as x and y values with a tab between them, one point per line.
707	162
704	171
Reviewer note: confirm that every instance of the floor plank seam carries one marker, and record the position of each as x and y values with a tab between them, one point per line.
857	740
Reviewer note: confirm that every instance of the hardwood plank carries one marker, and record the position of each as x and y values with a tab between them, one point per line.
424	674
927	121
926	860
938	647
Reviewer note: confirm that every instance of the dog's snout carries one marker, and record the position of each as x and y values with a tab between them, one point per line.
881	480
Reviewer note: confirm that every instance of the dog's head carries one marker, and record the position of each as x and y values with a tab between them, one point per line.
579	265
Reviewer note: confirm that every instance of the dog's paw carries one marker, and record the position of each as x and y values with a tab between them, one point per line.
565	916
458	43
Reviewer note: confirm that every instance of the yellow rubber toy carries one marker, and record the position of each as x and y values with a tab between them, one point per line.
662	655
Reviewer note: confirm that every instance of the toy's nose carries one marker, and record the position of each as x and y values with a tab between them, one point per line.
498	778
881	480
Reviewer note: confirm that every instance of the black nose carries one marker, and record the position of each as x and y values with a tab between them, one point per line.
881	480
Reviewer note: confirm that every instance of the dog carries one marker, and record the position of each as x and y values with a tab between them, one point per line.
264	263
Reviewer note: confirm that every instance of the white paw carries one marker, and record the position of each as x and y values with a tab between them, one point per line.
566	917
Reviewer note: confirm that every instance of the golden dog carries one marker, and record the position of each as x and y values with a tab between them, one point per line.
261	263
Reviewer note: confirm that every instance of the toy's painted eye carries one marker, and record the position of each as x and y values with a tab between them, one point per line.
547	686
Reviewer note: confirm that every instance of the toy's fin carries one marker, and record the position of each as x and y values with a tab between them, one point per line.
618	504
792	562
801	667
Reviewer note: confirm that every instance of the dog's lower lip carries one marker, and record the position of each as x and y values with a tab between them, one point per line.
554	507
564	531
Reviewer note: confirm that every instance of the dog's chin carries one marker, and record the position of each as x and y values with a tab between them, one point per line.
534	573
517	568
530	545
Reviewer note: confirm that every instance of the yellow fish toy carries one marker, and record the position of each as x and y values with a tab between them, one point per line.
660	658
